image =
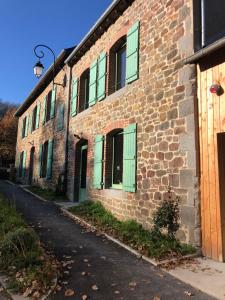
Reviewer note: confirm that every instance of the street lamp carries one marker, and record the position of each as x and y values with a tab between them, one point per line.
38	67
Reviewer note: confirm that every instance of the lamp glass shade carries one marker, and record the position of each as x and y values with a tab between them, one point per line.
38	69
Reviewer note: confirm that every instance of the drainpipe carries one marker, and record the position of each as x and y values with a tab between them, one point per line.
67	129
203	22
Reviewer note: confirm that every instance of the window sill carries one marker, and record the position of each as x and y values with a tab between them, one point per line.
117	187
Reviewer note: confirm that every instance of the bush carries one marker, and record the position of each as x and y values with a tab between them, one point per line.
167	215
20	248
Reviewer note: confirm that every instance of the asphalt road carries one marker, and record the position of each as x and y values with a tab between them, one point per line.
117	273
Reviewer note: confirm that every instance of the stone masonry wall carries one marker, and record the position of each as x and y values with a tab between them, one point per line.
161	102
44	133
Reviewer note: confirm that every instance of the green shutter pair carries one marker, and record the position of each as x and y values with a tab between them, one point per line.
97	83
52	109
24	164
49	159
132	53
129	159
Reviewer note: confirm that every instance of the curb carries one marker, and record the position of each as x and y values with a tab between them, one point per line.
9	182
116	241
21	297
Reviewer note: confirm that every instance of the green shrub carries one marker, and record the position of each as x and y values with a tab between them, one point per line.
167	215
19	248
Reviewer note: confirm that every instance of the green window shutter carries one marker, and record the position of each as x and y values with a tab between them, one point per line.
49	160
40	159
129	158
98	162
53	100
38	116
101	76
26	125
45	110
24	164
132	53
31	121
93	83
74	97
60	117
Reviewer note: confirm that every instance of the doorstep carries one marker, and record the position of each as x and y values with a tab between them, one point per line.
203	274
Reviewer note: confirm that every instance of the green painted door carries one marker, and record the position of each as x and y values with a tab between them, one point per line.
83	174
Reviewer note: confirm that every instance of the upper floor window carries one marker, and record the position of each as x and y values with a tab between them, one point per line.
25	127
209	22
84	90
117	66
49	106
34	118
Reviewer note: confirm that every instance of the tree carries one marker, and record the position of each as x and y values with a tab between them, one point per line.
8	135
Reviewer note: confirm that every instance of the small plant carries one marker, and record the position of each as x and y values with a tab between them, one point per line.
167	215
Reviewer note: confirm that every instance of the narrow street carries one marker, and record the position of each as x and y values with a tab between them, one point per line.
116	273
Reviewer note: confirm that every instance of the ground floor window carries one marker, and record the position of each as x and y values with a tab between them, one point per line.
119	148
46	159
117	160
21	164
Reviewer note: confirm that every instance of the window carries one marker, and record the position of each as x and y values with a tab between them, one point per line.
46	159
114	159
34	118
117	159
48	106
120	161
117	67
21	164
60	117
84	90
25	127
209	22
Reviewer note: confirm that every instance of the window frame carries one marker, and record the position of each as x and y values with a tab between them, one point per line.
34	118
83	95
44	159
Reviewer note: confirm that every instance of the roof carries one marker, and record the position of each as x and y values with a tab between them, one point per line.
197	56
113	12
44	81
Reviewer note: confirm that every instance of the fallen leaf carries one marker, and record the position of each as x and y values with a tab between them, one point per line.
1	289
83	273
84	297
133	284
187	293
69	293
58	288
27	292
94	287
117	292
156	298
66	272
64	282
36	295
85	260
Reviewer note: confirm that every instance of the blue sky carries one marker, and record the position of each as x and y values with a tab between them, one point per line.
26	23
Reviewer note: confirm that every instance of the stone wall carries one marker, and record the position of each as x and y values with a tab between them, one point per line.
44	133
161	102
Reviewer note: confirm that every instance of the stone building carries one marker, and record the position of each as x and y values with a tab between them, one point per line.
129	127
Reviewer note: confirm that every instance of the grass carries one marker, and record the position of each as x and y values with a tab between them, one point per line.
151	243
48	194
21	256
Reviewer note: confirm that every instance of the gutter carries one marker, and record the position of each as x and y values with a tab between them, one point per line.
91	31
204	52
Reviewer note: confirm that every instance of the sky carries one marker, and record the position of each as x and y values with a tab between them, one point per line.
27	23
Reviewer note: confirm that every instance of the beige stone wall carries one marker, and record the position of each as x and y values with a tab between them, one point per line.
161	102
